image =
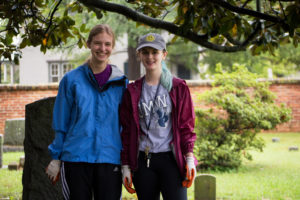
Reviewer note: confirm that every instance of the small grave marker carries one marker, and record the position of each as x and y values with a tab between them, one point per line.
13	166
14	131
205	187
275	139
22	161
293	148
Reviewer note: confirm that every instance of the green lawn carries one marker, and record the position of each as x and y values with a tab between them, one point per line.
272	175
11	181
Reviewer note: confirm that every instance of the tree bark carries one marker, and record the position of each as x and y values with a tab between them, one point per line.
134	70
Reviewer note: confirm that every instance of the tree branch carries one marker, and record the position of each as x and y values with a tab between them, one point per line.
160	24
243	6
248	12
52	14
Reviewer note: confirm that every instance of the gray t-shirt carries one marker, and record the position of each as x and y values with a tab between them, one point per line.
159	133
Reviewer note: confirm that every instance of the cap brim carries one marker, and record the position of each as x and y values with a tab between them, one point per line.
150	45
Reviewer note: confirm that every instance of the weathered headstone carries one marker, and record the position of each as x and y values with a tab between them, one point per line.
1	150
205	187
13	166
293	148
38	135
14	131
275	139
22	161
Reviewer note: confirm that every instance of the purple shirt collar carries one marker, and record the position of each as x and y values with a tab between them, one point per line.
103	76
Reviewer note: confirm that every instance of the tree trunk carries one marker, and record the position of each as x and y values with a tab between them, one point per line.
0	72
134	70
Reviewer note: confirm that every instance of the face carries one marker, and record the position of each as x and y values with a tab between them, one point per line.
101	47
151	58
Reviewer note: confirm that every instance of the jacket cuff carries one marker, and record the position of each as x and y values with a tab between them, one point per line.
124	159
188	148
55	149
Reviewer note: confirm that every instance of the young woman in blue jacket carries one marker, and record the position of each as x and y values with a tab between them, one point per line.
87	145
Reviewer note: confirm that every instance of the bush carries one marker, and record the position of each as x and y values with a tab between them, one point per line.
240	106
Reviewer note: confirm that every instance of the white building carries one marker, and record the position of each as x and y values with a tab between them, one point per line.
38	68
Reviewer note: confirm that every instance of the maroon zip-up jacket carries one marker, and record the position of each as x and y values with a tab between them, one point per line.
183	122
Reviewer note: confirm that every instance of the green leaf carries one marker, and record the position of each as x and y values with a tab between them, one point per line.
82	28
25	42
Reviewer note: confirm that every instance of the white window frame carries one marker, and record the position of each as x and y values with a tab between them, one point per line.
8	72
62	68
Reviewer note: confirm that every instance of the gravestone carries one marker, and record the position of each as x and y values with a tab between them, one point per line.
38	135
14	132
22	161
205	187
13	166
1	150
293	148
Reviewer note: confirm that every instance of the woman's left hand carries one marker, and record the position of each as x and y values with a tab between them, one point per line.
190	171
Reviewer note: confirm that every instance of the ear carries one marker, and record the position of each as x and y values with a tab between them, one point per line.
165	53
88	45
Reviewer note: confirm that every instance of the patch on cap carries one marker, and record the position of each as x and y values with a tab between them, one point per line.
150	38
153	40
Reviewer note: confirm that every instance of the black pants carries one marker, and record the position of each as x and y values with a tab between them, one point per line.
83	181
162	176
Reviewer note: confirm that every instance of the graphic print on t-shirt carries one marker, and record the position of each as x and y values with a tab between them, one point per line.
159	108
157	133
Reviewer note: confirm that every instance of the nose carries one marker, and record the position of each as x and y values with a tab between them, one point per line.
150	55
102	47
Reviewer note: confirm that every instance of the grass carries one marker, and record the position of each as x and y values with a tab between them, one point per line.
272	175
11	181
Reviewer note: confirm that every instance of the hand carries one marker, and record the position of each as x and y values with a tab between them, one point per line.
127	179
53	170
190	172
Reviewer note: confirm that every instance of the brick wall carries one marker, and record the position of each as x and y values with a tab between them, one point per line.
13	99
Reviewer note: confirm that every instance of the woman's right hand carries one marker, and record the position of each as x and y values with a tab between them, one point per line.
53	170
127	179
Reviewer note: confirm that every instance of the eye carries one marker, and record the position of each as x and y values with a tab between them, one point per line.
145	52
155	51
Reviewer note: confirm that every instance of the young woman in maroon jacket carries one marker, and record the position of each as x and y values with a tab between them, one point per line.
158	118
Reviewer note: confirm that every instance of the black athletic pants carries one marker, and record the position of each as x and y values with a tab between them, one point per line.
162	176
82	181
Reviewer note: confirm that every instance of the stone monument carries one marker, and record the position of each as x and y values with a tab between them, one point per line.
38	135
205	187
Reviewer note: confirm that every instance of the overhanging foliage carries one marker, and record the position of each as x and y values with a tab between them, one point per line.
220	25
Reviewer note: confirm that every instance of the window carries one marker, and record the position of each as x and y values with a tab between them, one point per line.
9	72
57	70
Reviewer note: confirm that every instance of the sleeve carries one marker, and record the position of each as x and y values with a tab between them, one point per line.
186	116
61	118
125	119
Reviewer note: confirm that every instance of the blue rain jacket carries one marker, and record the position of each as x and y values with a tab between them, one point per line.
86	117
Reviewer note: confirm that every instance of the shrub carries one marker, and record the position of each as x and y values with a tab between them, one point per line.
239	106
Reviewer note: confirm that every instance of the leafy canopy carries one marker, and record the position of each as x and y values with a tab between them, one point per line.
285	62
220	25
